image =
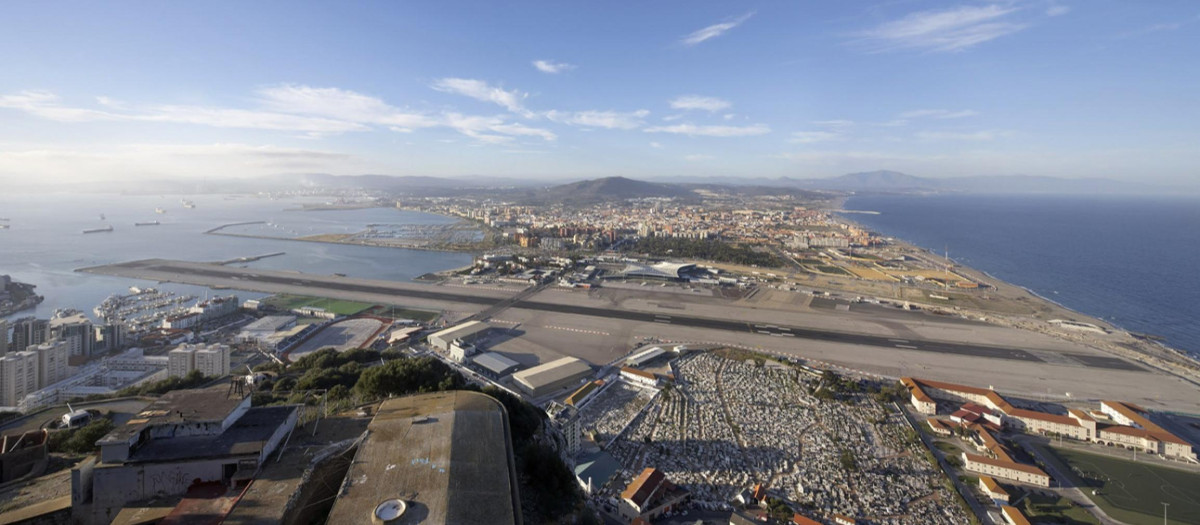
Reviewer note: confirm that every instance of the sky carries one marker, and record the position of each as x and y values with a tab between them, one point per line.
569	90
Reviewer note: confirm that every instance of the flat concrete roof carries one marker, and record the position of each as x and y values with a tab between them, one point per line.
462	330
247	436
552	372
214	403
447	455
496	363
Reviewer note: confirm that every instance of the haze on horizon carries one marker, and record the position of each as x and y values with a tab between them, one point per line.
556	91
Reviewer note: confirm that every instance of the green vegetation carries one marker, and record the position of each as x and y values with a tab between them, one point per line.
408	376
287	302
193	379
404	313
779	509
1132	491
948	448
80	440
831	269
847	460
1054	509
709	250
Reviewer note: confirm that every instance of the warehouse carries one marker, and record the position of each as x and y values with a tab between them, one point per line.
260	330
494	365
544	379
467	332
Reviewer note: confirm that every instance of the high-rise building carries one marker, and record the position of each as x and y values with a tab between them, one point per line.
181	360
211	360
76	330
52	362
3	336
29	331
112	336
18	376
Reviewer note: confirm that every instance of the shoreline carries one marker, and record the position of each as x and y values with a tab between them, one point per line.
1143	349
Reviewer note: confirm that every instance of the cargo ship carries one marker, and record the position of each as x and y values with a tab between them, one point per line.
151	223
99	230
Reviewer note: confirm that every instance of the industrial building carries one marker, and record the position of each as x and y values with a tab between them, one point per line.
645	356
494	365
466	332
663	270
549	377
433	458
185	439
259	331
1009	470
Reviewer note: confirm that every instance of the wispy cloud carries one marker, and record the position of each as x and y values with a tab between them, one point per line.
710	104
600	119
938	113
656	145
714	30
809	137
552	67
944	30
1057	10
712	131
698	157
955	135
295	108
482	91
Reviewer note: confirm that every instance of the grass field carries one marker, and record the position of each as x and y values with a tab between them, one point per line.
1133	492
1056	510
337	306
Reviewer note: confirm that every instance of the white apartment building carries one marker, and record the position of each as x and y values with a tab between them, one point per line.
210	360
18	376
52	362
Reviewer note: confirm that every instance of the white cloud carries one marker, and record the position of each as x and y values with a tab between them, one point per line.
552	67
714	30
312	111
689	102
952	29
712	131
656	145
1057	10
955	135
809	137
480	90
600	119
938	113
835	124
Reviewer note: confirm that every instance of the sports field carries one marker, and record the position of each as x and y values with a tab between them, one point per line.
339	307
1133	492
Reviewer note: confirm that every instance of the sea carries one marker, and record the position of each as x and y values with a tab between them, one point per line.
1130	260
44	243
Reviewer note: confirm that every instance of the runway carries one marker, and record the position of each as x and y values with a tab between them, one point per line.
318	285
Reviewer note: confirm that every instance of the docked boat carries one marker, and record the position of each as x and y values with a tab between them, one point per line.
99	230
159	211
151	223
188	204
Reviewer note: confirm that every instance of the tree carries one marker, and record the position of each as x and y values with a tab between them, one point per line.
407	376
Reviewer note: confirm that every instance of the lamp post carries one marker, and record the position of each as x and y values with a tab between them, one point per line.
1165	505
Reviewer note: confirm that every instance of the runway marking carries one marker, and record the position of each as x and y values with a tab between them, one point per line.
898	340
910	347
593	332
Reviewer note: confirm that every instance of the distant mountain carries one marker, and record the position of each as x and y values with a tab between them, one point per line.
882	180
611	189
885	181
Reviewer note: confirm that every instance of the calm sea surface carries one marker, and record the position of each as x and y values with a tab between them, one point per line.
1132	261
44	243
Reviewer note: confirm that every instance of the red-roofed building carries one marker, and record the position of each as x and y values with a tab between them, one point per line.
1009	470
650	495
800	519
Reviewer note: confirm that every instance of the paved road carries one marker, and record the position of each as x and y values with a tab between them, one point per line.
316	284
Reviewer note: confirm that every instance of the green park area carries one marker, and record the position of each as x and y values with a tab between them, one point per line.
1134	491
288	302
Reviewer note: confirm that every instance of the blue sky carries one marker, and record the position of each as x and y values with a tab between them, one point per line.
565	90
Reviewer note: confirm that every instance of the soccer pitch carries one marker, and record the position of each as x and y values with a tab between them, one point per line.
1133	492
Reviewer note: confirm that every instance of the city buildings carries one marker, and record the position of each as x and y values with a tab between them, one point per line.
18	376
211	360
76	329
28	331
51	362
